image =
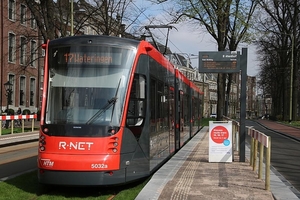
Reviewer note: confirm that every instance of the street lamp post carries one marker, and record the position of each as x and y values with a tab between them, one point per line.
8	89
72	16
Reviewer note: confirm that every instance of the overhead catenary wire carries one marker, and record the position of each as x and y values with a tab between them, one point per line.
151	23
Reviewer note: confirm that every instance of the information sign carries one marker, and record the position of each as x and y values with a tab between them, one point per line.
219	62
220	141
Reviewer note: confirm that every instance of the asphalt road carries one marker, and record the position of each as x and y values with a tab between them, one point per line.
17	159
285	156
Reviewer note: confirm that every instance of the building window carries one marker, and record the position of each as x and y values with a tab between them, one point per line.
32	93
22	91
32	21
32	53
11	47
23	14
11	79
11	9
23	51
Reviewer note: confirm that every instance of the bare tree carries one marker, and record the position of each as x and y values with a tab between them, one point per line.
282	25
227	21
104	17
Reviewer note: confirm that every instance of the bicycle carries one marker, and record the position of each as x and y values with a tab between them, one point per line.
17	123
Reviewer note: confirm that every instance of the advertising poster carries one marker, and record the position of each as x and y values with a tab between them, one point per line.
220	141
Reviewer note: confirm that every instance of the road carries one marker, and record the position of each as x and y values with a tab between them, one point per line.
285	156
18	159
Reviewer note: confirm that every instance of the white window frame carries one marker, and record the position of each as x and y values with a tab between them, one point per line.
11	47
33	48
23	11
11	9
23	44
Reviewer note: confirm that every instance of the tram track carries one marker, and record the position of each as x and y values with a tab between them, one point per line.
18	152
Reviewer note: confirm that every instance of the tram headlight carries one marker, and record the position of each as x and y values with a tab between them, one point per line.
113	130
45	130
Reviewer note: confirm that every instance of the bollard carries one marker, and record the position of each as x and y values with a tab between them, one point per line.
255	155
32	125
268	164
252	152
237	141
12	126
261	160
23	125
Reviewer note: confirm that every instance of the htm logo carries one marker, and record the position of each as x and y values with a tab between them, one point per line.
47	162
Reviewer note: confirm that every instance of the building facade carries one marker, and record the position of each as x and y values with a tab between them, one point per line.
19	58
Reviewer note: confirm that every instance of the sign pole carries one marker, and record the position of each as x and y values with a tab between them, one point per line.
242	134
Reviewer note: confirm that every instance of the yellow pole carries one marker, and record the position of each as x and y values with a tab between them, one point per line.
255	155
261	160
23	122
12	126
268	164
252	151
32	125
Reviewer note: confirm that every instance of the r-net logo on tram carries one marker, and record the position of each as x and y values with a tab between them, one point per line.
81	146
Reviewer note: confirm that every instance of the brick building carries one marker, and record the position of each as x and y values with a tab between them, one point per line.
19	57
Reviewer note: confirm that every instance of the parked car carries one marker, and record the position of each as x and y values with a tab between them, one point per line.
213	116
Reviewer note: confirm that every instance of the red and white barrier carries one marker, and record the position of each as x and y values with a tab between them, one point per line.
261	137
13	117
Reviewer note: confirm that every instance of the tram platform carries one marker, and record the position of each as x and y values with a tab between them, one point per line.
189	175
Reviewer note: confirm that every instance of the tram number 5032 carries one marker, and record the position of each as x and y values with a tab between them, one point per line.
99	166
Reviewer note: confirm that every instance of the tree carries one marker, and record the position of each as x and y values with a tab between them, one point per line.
106	17
282	25
227	21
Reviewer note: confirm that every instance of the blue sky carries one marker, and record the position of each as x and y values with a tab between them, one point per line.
187	39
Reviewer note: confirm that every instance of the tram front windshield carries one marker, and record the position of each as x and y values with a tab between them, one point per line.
87	84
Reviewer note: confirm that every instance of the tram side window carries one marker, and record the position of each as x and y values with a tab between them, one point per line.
136	109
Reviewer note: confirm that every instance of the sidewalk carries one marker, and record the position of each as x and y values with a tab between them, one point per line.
188	175
16	138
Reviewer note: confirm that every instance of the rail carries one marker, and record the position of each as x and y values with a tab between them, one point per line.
264	142
15	121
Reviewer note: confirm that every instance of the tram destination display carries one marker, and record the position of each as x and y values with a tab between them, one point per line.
219	62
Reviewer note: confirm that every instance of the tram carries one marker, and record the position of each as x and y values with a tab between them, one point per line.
113	111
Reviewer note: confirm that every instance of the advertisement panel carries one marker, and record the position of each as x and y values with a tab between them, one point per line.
220	141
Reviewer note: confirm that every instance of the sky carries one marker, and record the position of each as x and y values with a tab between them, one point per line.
187	39
191	42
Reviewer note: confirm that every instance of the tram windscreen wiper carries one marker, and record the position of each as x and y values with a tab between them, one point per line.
110	102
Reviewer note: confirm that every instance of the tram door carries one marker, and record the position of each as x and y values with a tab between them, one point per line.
171	105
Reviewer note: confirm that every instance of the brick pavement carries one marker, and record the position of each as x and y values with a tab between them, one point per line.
197	178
